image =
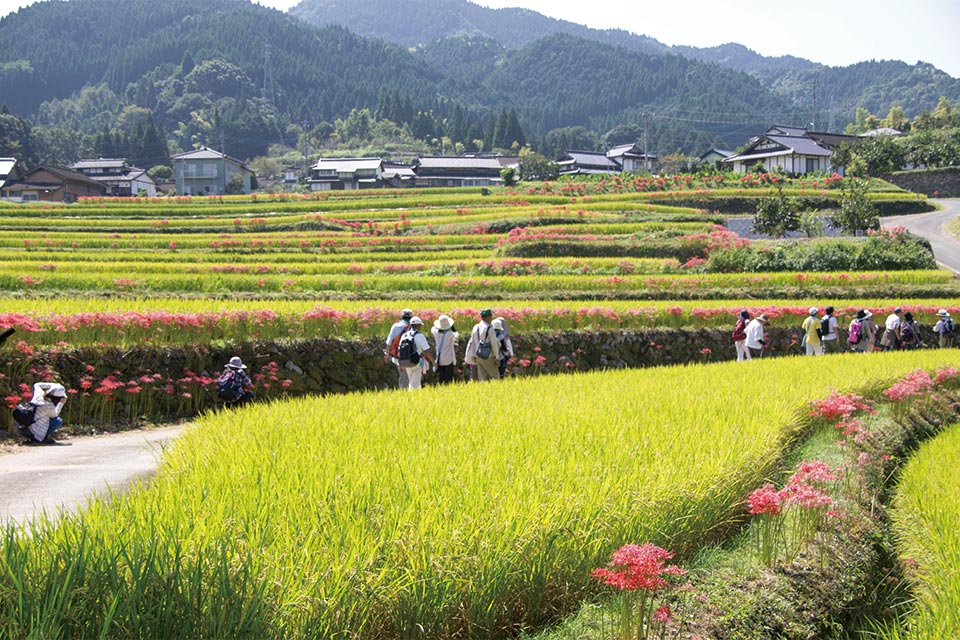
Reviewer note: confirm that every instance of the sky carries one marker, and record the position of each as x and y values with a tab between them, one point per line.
839	33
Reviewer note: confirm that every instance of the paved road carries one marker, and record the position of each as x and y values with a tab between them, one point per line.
63	476
946	248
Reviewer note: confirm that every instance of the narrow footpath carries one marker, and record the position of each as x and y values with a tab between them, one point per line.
58	477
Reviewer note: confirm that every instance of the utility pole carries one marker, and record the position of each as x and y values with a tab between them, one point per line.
646	156
813	119
268	92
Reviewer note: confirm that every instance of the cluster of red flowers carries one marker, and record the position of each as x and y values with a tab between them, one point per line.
915	384
638	567
839	406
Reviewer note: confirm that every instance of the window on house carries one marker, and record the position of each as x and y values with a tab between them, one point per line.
813	164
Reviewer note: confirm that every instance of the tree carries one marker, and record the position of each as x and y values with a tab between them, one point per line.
509	176
777	215
855	213
534	166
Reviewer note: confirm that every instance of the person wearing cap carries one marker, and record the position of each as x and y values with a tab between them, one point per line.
506	344
828	327
393	339
48	398
755	335
445	338
891	331
234	386
811	333
740	336
414	370
944	329
863	327
483	348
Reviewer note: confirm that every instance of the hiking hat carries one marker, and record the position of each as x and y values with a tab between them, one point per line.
406	314
236	363
745	314
943	313
861	315
814	311
764	318
485	312
443	323
898	310
415	320
867	314
498	324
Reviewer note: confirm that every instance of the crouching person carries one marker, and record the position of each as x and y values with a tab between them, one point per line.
234	386
48	400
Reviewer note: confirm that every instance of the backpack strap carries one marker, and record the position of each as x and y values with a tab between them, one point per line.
443	336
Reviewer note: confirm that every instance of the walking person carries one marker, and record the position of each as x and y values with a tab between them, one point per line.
506	344
48	400
445	338
891	333
944	329
483	348
861	333
414	353
755	335
831	336
392	344
740	336
811	333
909	332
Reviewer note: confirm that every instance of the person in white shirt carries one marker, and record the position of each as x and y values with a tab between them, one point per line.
48	398
425	357
891	333
831	339
506	344
944	329
396	330
483	334
445	338
755	337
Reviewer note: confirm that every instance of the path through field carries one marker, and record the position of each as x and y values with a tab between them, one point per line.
63	476
946	248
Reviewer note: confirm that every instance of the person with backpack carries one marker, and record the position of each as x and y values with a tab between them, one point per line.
812	333
862	332
891	331
909	332
506	344
414	353
47	403
483	348
740	336
944	329
445	338
755	335
234	386
828	327
393	342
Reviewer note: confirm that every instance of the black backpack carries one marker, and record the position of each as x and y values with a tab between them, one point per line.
229	386
825	326
407	354
947	326
25	413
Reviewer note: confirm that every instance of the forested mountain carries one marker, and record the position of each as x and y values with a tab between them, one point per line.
873	85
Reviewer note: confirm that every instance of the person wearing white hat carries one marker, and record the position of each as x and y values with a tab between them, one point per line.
393	342
811	333
48	400
414	353
944	329
234	386
506	344
862	332
445	338
755	335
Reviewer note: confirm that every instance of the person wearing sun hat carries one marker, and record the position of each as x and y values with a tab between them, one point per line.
483	348
864	330
445	338
944	329
755	336
811	333
48	398
234	386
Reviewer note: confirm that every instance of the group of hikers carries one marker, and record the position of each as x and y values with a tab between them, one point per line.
488	351
821	334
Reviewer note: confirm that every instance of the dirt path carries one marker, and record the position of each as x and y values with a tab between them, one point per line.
63	476
946	248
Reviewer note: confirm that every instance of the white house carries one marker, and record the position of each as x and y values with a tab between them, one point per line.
346	174
630	157
118	177
790	149
573	163
206	171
